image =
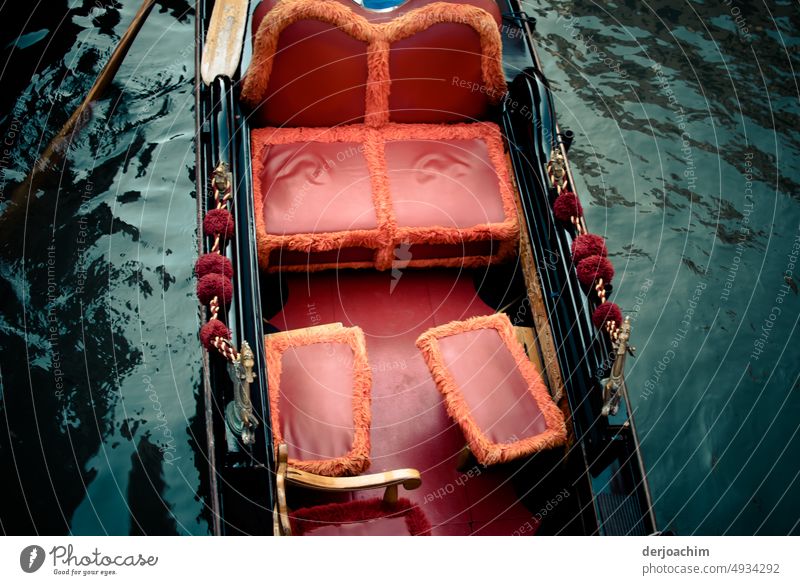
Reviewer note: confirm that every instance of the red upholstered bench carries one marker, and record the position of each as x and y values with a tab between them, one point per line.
319	391
491	389
389	197
402	184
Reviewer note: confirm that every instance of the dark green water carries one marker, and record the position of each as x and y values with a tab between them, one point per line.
101	424
686	159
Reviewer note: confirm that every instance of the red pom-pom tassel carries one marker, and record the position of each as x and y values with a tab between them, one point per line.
212	263
211	330
605	313
567	206
215	285
586	245
593	268
218	222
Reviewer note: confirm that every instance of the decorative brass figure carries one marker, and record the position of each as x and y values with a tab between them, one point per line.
614	386
239	412
221	177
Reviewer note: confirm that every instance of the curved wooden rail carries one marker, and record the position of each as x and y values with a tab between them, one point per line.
390	480
408	478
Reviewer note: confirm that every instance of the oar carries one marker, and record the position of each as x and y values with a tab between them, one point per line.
223	47
60	141
57	147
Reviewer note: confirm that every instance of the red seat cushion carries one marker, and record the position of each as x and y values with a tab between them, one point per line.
390	197
361	518
319	386
443	182
316	187
492	389
437	76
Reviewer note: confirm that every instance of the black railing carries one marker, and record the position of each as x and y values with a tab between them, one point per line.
583	352
224	137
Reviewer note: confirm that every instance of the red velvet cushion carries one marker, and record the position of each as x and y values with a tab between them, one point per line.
496	393
319	386
318	78
315	187
492	389
443	183
436	76
316	400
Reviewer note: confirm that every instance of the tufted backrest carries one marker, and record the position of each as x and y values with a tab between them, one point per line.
331	62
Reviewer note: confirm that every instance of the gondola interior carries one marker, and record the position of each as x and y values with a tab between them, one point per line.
413	383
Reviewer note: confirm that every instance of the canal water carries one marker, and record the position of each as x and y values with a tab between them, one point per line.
101	427
686	158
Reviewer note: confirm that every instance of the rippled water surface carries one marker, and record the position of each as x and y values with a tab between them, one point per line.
686	159
101	427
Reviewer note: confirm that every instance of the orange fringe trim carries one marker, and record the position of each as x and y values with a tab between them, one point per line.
379	38
486	451
388	236
357	459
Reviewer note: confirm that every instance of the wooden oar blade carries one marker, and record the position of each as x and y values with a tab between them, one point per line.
223	47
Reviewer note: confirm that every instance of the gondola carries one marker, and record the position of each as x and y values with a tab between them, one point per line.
409	328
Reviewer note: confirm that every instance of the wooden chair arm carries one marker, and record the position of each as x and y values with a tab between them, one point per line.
282	525
389	480
408	478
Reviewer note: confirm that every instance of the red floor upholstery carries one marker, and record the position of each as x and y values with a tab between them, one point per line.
410	425
397	196
361	518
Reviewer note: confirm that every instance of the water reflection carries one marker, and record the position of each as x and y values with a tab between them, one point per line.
687	155
101	426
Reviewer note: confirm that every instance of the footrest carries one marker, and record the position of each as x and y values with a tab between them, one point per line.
491	389
319	391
